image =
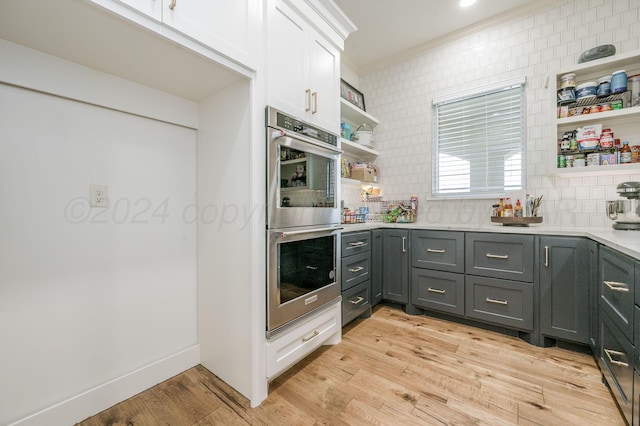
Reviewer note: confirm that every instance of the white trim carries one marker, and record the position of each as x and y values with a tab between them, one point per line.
481	90
101	397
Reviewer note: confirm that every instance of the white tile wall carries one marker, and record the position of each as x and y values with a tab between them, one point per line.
534	46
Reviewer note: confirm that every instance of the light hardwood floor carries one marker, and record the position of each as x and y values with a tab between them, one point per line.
395	369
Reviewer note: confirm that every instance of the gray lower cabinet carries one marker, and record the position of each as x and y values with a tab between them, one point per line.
616	364
395	265
564	288
594	296
355	273
502	302
376	266
437	290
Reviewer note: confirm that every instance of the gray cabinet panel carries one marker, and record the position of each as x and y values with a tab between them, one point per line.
395	265
616	363
564	288
503	302
355	242
355	302
437	290
617	288
594	296
376	267
506	256
636	341
355	269
441	250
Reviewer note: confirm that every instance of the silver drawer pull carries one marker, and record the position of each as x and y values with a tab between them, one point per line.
436	290
356	269
611	353
313	268
497	256
614	286
306	339
497	302
357	243
357	300
435	251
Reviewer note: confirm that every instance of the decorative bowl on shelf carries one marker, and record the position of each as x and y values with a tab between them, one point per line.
516	221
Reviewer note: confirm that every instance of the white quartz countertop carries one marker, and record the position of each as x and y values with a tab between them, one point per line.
627	242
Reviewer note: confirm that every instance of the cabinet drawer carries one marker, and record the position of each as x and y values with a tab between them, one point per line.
355	242
441	250
616	363
617	289
291	346
437	290
355	302
503	302
355	269
636	340
506	256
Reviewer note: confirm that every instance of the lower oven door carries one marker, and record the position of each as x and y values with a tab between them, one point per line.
302	273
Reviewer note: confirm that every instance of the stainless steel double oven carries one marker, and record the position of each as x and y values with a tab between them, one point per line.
303	219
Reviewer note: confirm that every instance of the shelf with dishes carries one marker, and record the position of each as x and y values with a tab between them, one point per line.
356	150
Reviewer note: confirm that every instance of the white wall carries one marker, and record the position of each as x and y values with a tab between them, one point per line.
536	45
88	296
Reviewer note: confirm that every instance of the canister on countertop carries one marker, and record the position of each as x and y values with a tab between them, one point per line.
619	81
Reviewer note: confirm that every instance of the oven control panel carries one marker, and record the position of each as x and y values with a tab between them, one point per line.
294	125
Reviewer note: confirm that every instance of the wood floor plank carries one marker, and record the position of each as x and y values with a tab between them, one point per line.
395	369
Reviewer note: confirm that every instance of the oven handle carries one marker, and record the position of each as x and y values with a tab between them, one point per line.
282	133
285	234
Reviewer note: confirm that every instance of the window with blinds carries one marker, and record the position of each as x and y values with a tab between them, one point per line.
479	147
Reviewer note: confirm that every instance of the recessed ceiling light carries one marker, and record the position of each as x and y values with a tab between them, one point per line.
466	3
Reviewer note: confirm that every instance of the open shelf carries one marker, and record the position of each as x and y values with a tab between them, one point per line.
355	115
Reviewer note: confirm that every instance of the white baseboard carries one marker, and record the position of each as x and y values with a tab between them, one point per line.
93	401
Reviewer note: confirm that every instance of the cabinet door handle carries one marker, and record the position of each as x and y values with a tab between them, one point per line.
435	251
357	243
497	301
404	244
497	256
308	93
614	286
357	300
313	268
546	256
172	5
314	95
436	290
356	269
306	339
611	353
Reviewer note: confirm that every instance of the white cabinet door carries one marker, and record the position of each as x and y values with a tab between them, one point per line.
152	8
303	69
287	63
324	79
229	27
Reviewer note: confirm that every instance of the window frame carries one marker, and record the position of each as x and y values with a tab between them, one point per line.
465	96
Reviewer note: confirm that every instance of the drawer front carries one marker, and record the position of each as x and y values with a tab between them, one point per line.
616	363
506	256
355	242
355	302
437	290
441	250
617	289
503	302
288	348
636	340
355	269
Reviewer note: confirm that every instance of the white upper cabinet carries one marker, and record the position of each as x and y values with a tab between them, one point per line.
230	28
153	8
303	69
226	26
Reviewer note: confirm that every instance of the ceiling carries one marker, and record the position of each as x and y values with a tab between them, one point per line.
386	28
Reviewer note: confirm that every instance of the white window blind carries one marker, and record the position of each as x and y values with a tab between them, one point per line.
479	143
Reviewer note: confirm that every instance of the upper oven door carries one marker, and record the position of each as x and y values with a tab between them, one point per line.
302	181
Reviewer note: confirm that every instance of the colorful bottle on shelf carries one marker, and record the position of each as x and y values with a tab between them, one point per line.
625	153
